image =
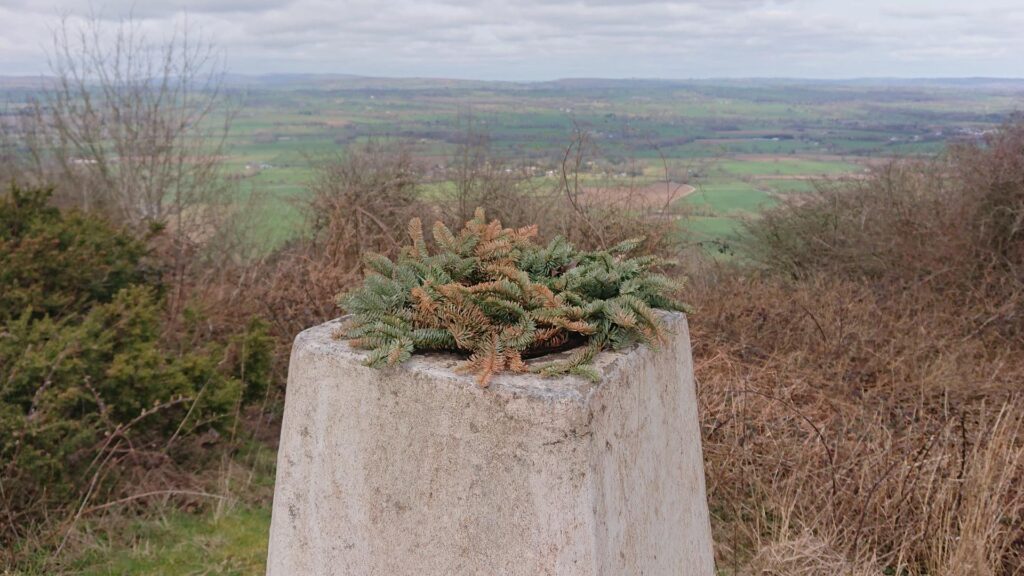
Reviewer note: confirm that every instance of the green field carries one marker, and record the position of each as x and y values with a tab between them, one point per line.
791	186
728	199
787	167
746	144
750	143
713	227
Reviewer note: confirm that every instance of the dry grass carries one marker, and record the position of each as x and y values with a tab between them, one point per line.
873	425
803	555
862	392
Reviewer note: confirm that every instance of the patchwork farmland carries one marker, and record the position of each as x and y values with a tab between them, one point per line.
744	145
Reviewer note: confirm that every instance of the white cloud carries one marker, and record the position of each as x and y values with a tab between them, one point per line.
538	39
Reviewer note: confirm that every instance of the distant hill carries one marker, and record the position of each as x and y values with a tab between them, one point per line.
286	79
24	82
357	82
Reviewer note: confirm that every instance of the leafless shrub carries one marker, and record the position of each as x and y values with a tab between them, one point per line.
993	174
481	179
861	390
589	207
849	228
134	130
11	164
361	202
128	127
600	211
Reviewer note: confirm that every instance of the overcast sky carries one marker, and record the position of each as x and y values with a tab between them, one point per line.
547	39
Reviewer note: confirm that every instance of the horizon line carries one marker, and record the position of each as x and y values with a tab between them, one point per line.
585	78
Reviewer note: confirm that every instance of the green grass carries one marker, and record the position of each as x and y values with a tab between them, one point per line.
790	186
728	198
234	544
786	167
717	211
172	543
712	227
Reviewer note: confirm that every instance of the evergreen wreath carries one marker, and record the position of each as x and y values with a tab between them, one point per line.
494	294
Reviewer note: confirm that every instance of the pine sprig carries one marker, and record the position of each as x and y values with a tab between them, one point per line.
496	296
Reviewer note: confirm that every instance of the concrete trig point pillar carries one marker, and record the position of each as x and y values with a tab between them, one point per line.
416	471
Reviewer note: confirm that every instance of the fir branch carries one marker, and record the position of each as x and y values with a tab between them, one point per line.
493	294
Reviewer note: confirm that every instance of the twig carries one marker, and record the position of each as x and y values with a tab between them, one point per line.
134	497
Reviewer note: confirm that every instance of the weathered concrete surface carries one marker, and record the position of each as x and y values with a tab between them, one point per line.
417	471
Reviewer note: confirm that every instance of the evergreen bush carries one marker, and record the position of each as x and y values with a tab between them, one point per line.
59	264
493	294
94	385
